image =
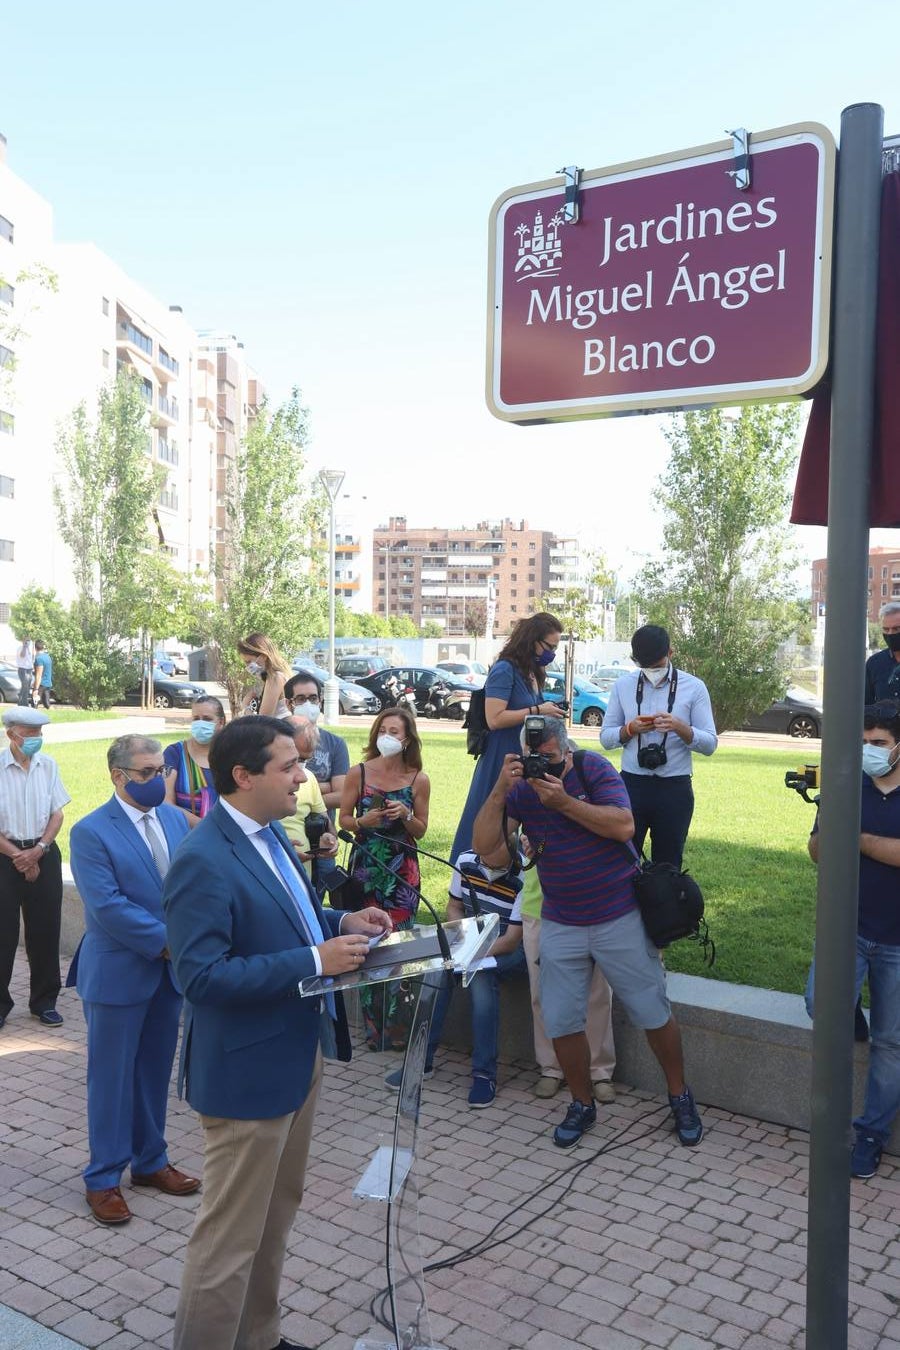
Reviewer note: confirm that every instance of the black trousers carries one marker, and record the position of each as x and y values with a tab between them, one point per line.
41	904
663	807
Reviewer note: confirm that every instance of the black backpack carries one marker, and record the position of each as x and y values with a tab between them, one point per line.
670	901
475	724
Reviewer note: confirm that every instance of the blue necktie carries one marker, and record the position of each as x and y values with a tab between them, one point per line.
309	919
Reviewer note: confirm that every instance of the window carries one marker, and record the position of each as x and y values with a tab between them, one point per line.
513	609
6	229
531	576
7	294
7	357
514	592
7	423
104	305
531	545
7	550
4	612
871	573
7	486
884	571
884	588
105	359
513	576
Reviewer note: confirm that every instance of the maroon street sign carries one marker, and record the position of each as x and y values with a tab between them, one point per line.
674	289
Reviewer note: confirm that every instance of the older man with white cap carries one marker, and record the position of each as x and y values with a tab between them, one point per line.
32	798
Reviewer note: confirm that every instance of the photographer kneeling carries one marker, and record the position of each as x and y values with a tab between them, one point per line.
579	833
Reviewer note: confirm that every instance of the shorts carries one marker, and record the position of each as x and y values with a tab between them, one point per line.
627	958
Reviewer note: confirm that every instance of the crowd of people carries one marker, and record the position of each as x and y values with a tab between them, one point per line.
206	898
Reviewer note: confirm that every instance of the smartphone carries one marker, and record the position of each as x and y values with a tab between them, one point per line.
377	802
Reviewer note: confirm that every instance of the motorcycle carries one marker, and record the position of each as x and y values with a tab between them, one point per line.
441	700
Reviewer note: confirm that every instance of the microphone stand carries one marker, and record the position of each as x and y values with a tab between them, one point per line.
443	941
414	847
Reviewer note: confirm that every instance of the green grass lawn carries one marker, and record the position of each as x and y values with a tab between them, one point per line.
747	848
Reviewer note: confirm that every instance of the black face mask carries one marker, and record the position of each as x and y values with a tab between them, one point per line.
892	640
555	770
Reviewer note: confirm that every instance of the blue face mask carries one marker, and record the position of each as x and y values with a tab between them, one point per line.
545	658
202	731
149	794
31	745
876	761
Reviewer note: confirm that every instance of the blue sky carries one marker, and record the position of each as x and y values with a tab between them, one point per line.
317	179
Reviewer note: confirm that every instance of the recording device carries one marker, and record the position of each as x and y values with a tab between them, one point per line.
803	780
443	941
534	764
315	825
653	756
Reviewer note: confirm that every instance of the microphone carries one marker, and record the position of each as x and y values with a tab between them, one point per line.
416	848
443	941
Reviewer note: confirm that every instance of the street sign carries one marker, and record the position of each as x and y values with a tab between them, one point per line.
674	289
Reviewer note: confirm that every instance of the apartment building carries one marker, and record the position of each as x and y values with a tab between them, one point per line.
884	580
439	574
59	343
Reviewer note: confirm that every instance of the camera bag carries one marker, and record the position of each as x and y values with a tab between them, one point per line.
475	724
669	899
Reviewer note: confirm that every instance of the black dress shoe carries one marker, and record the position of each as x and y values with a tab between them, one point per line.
290	1345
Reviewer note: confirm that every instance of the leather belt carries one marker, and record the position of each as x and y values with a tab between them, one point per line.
23	843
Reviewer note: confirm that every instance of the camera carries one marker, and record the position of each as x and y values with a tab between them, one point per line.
534	764
803	780
315	825
652	756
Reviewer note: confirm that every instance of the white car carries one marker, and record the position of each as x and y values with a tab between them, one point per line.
473	672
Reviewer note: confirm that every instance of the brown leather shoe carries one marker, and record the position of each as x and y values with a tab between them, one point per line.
108	1206
168	1180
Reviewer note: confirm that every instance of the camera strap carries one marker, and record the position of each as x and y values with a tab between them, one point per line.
639	698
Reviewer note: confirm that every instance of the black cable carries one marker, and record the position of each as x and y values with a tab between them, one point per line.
378	1302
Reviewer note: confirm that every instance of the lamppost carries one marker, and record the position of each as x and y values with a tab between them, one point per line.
331	480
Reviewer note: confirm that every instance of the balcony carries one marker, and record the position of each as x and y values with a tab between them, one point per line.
169	499
350	546
167	451
168	362
132	338
168	408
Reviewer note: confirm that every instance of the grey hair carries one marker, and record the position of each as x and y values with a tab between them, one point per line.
554	729
303	726
892	607
120	752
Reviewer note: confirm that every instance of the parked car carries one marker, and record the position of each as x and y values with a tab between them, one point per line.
179	660
588	704
167	691
799	713
353	700
9	683
357	667
164	663
604	677
473	672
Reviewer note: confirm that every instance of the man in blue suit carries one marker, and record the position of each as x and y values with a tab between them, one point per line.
245	927
120	854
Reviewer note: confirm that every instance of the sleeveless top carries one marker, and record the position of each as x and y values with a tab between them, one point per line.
388	871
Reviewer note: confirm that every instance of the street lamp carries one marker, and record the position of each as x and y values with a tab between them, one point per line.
331	480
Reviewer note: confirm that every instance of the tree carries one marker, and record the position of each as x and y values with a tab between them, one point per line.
476	618
269	568
28	284
723	586
431	629
87	672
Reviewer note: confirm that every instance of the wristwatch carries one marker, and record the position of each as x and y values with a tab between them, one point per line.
45	848
410	814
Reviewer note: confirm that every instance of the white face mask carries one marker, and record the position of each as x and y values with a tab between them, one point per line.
253	668
388	746
307	709
655	675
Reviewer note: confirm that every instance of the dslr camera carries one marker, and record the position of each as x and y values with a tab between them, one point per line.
652	756
534	764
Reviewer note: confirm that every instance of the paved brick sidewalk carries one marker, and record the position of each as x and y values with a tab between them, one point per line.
635	1242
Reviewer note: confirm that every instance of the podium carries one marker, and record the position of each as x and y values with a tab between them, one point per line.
390	1178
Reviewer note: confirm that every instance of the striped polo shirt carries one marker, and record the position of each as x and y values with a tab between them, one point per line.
585	879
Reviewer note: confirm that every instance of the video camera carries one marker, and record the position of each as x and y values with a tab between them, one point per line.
803	780
315	825
534	764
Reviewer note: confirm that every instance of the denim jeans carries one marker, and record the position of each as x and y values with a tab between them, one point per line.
882	966
484	992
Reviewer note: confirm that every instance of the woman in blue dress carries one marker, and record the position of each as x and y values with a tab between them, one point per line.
512	692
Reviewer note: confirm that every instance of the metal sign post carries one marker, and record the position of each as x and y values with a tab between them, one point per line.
852	417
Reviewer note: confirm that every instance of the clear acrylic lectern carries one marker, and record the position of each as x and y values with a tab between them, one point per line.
390	1177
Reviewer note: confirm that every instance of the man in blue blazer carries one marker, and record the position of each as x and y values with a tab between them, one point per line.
245	927
120	854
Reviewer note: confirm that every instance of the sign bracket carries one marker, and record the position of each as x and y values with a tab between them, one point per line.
572	209
741	172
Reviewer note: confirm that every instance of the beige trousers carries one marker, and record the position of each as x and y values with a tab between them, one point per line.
599	1014
253	1173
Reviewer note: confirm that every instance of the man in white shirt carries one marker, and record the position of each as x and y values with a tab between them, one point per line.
32	798
25	667
660	716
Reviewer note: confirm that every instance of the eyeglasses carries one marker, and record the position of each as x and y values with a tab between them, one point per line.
145	775
549	646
